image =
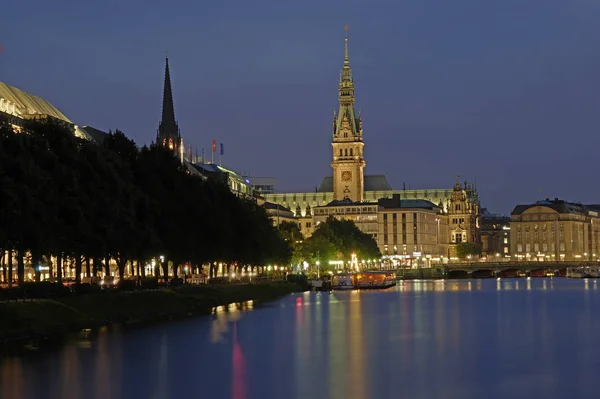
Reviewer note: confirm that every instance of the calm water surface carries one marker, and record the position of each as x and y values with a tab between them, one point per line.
513	338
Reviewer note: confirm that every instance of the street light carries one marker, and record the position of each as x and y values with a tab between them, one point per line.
318	269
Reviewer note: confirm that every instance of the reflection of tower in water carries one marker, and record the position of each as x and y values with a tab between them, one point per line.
346	350
239	388
356	350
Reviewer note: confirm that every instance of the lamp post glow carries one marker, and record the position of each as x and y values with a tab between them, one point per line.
318	269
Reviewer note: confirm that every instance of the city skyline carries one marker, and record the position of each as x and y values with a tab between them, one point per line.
495	101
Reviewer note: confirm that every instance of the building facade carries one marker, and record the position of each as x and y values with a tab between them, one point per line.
406	231
278	214
495	236
463	216
263	185
412	229
555	230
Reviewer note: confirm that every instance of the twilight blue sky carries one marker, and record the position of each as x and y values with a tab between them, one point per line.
506	93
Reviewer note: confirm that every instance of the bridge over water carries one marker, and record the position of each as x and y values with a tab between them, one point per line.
493	269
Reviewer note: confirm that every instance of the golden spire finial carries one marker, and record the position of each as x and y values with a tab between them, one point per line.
346	60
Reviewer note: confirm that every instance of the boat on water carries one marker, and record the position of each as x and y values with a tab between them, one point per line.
343	281
577	272
375	279
363	280
594	271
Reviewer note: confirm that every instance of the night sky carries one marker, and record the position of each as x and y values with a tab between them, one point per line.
502	92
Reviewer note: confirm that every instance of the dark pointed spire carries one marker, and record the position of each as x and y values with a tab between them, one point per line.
168	110
168	130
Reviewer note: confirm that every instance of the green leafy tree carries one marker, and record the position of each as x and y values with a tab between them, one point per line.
338	240
463	250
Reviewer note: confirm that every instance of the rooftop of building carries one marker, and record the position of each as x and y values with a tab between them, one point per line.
29	104
25	105
372	183
271	205
558	205
397	203
349	202
97	135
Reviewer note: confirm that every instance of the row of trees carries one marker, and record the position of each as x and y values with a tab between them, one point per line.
332	240
85	203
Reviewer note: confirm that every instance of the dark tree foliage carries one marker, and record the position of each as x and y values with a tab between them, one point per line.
468	248
79	201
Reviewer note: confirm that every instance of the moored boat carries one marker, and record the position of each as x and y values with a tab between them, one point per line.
343	281
577	272
375	279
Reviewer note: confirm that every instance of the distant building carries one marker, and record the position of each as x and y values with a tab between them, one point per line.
412	230
495	235
406	231
279	214
555	230
263	185
237	183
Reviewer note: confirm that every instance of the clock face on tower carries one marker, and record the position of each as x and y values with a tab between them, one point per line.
346	176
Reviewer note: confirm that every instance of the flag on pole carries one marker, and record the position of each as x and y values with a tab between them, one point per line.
222	152
214	146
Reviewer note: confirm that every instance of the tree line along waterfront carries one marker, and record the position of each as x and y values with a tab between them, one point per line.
71	206
71	203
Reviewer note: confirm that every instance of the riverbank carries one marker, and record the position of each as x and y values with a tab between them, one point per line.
36	320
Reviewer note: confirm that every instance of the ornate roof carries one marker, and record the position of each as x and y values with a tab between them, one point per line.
23	105
372	183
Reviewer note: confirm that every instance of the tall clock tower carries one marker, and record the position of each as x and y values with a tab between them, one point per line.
348	162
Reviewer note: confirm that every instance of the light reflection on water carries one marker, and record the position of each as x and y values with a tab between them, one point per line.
496	338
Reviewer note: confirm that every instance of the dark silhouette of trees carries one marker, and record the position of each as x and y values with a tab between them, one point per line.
84	204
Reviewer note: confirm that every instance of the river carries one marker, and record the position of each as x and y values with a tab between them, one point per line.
510	338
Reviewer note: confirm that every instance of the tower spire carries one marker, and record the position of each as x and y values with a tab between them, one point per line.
347	115
346	59
168	130
168	110
346	73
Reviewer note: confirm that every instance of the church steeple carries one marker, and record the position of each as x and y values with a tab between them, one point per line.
347	114
348	161
168	130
